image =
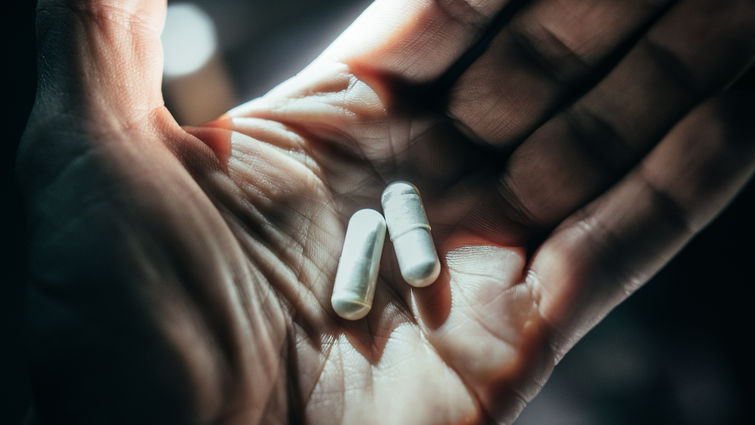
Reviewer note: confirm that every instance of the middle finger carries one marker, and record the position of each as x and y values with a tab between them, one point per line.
546	51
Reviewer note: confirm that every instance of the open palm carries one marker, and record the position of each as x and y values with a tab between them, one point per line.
183	275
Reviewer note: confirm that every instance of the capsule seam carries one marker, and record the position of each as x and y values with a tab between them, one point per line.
411	228
359	303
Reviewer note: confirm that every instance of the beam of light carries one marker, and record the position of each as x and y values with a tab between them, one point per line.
189	40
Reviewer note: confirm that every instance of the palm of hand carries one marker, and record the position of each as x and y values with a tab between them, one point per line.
217	272
434	355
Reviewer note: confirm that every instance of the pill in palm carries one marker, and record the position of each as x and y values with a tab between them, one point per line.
359	264
410	233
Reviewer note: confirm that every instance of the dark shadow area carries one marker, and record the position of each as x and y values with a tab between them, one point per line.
19	82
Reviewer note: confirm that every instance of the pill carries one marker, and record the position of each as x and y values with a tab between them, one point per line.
410	233
358	266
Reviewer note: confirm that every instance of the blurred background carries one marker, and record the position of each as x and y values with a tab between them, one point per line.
677	352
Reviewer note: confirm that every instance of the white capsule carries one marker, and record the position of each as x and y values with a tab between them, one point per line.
410	233
358	267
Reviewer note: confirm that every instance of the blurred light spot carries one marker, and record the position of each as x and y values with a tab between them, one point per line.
189	39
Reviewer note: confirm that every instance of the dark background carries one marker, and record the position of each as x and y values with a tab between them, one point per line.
677	352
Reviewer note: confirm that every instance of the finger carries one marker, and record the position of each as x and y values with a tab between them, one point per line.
603	253
546	52
101	55
695	50
415	40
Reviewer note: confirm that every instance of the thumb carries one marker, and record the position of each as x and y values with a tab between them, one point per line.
100	56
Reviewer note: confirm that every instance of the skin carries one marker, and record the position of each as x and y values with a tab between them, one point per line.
183	274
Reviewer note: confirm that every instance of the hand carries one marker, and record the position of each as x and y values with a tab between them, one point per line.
183	275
